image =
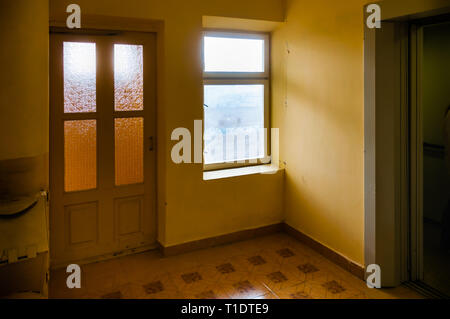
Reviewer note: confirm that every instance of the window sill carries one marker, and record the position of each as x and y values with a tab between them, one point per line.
241	171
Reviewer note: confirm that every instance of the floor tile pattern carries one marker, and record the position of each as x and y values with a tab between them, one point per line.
270	267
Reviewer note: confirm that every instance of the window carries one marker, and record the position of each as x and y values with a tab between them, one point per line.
236	105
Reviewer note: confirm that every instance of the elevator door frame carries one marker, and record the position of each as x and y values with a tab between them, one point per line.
392	172
417	141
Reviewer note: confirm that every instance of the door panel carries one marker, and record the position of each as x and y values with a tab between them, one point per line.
81	224
129	216
102	171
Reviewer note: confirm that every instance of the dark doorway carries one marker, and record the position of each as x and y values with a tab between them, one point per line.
435	93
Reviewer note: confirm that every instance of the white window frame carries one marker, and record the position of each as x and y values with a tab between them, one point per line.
227	78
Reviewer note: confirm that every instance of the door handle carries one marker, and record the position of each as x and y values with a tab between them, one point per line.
151	144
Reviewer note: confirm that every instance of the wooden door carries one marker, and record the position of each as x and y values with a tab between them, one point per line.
102	130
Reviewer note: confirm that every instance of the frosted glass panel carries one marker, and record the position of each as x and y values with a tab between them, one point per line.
79	77
234	123
233	54
128	77
80	155
129	150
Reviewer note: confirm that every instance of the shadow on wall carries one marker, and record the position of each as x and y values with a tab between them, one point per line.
23	176
319	107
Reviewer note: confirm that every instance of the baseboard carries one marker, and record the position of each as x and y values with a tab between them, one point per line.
220	240
425	290
328	253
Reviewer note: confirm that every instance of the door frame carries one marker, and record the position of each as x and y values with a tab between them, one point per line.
385	149
416	153
390	99
97	26
417	141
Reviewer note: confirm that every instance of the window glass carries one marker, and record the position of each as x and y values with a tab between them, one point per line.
79	77
129	150
223	54
234	122
128	77
80	155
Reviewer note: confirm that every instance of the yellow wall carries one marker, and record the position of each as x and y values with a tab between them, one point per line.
23	96
24	80
318	102
190	208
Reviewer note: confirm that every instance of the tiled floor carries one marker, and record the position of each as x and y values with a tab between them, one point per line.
275	266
